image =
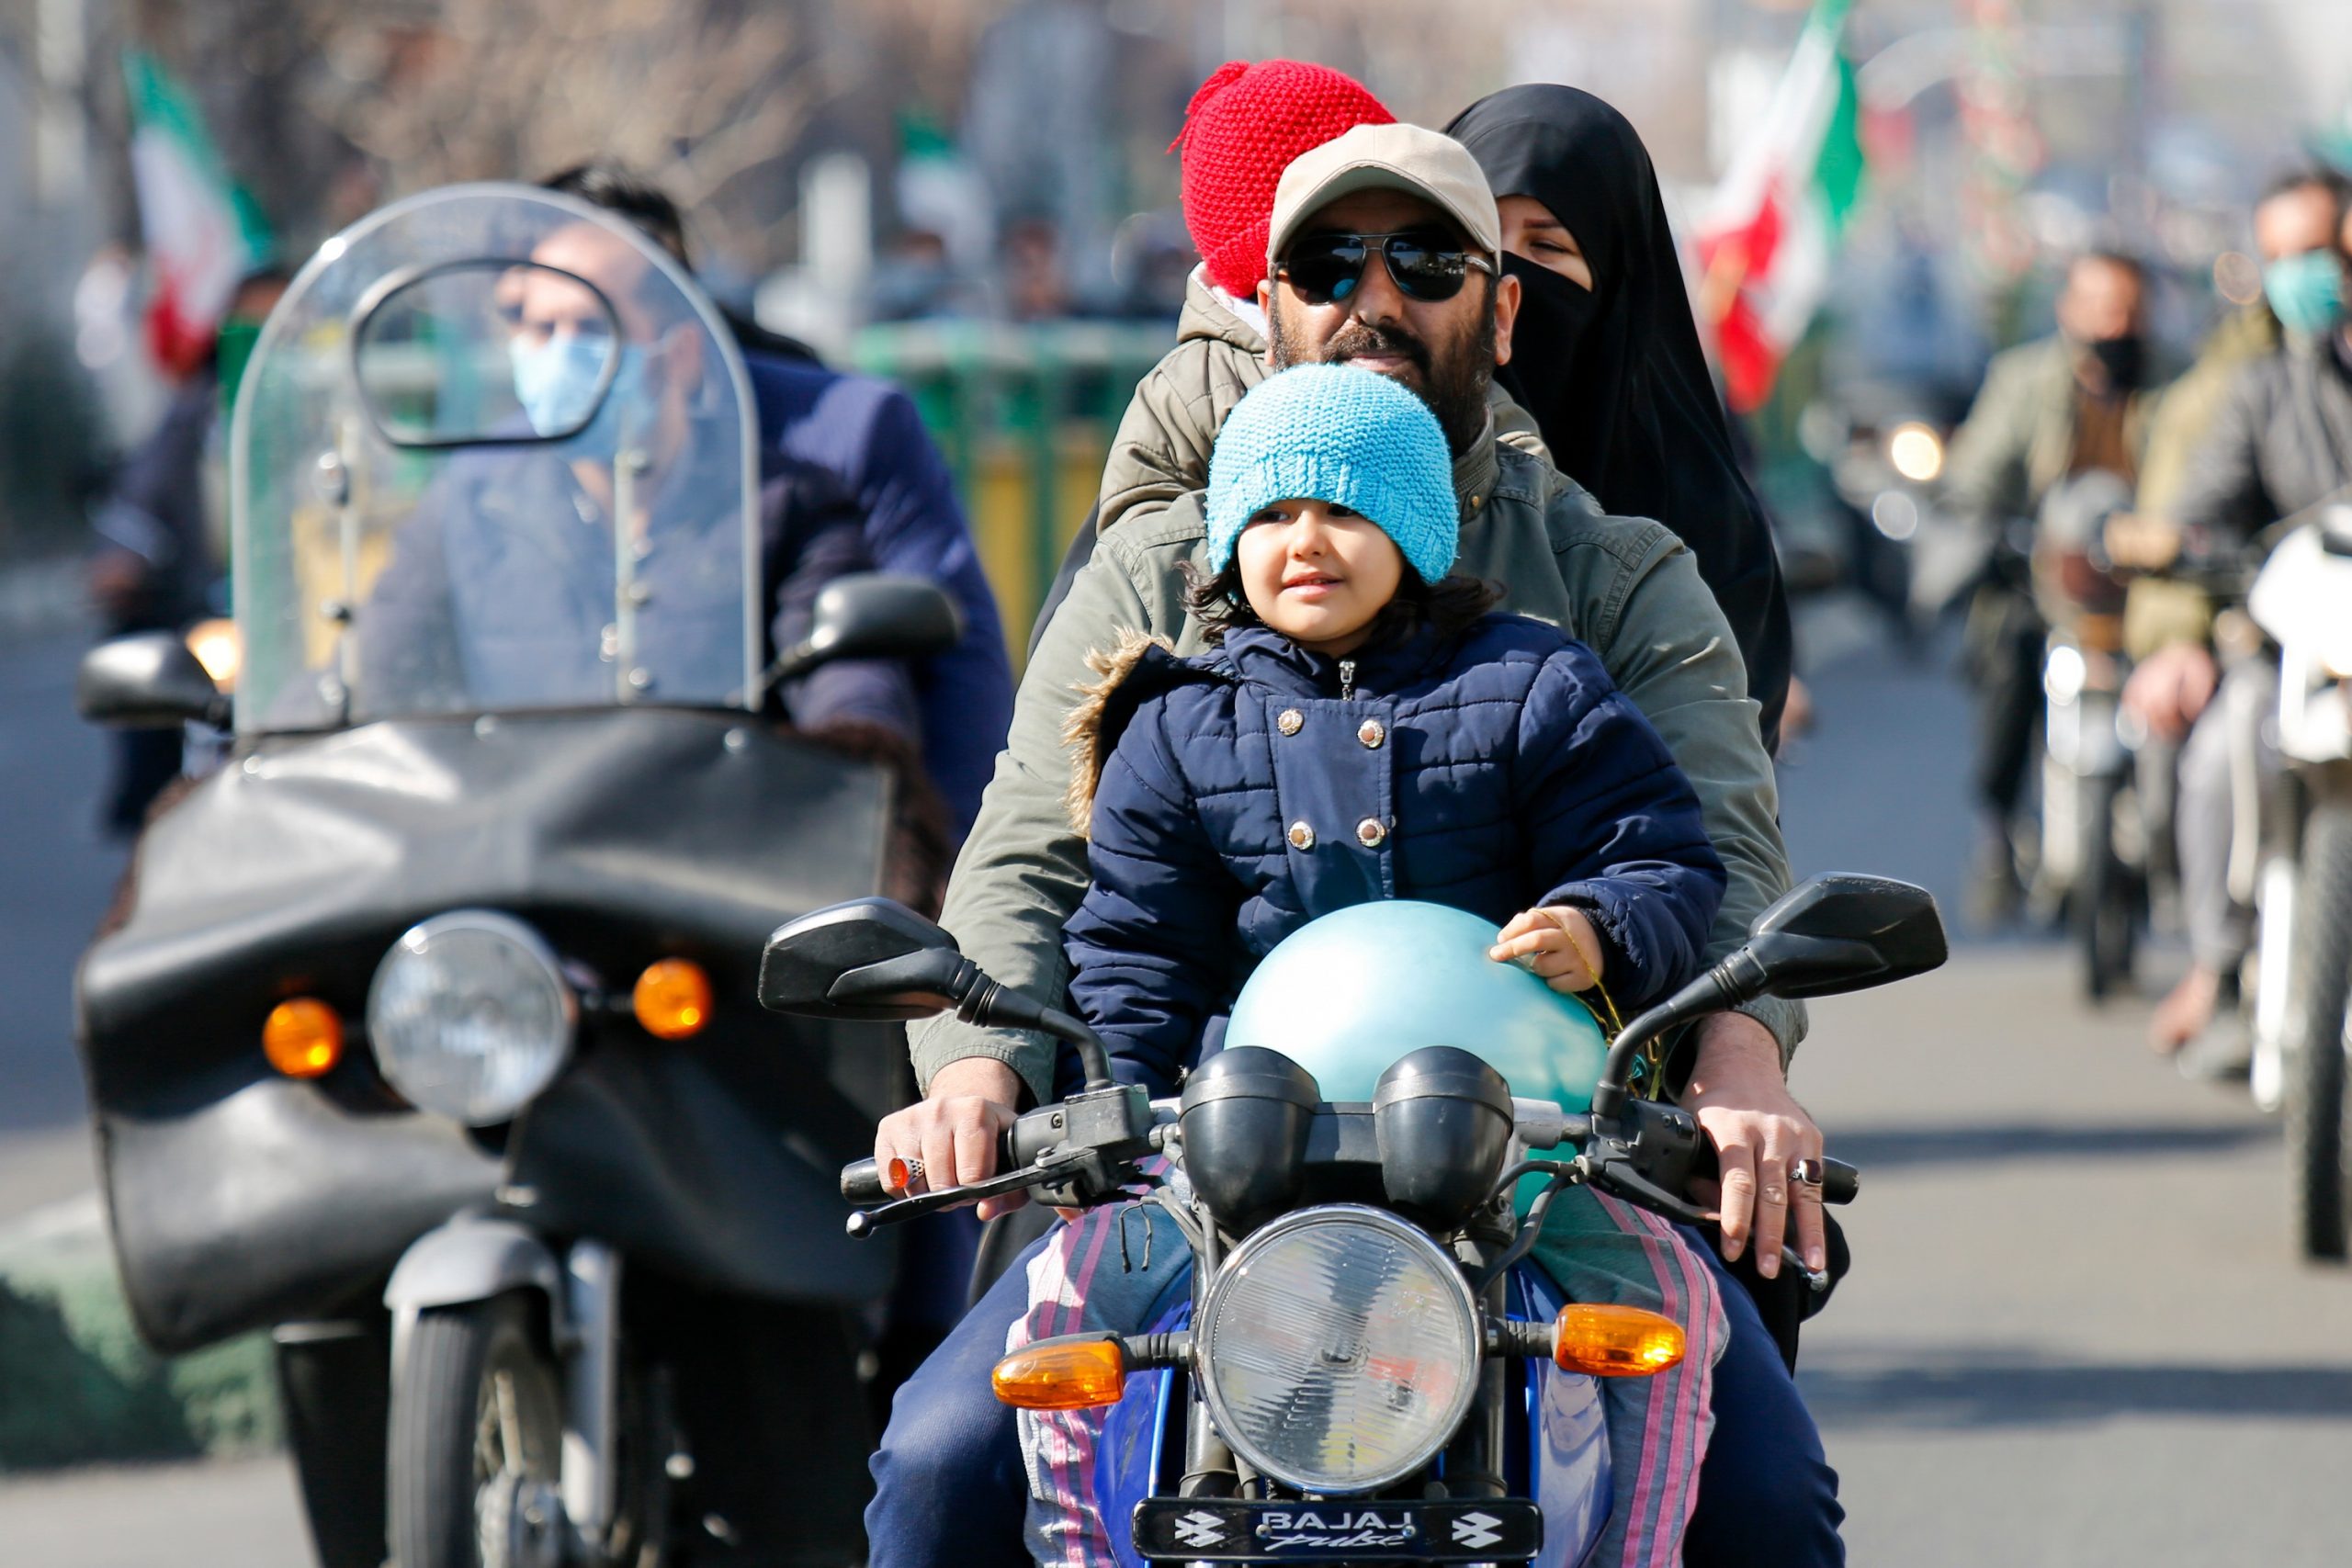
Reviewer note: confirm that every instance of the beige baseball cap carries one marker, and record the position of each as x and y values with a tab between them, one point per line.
1410	158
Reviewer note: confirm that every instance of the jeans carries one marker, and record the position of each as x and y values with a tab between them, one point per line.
2223	766
949	1491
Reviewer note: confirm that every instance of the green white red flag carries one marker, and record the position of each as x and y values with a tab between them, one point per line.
1769	235
202	231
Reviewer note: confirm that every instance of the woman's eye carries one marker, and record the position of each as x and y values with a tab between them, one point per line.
1272	514
1343	512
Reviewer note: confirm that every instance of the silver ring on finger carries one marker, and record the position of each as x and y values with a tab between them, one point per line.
1807	1172
914	1173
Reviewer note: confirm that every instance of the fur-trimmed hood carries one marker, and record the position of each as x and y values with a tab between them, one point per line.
1091	730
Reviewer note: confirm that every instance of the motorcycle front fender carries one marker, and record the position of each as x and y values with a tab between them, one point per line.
472	1260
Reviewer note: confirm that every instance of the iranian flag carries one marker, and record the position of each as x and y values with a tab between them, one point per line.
1766	244
202	231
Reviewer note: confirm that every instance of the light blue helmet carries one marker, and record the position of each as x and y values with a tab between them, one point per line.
1346	994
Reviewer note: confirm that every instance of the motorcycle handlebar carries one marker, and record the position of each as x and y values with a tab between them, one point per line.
861	1179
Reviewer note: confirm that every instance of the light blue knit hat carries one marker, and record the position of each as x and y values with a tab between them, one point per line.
1346	436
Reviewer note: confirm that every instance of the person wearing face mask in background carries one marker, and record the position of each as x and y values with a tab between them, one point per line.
2279	440
2049	411
502	585
1606	356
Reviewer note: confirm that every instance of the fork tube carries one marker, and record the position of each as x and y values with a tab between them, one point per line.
1208	1462
1473	1459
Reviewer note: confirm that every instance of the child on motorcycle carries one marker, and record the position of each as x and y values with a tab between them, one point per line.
1363	728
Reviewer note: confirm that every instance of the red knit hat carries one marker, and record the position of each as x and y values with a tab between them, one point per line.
1241	129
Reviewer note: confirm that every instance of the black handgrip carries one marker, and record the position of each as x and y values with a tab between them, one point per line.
862	1183
861	1179
1840	1181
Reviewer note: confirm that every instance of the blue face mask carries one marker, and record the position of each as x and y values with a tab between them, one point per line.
2306	292
555	380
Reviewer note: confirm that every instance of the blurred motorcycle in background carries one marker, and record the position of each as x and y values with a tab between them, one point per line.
2096	829
2303	602
421	1033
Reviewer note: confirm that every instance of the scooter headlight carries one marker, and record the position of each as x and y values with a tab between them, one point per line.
469	1016
1339	1348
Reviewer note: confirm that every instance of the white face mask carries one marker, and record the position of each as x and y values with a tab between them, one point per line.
556	381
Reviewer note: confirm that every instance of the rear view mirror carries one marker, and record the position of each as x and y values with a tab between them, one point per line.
484	352
1825	936
871	615
147	680
1843	933
869	959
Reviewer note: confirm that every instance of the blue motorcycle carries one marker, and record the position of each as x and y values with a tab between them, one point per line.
1366	1369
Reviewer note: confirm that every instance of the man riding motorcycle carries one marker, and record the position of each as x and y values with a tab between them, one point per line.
2279	441
1624	586
2050	408
835	443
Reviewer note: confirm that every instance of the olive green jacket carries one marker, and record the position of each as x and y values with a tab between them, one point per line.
1161	449
1624	586
2019	438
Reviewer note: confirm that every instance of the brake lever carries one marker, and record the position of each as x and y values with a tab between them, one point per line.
865	1221
1612	1176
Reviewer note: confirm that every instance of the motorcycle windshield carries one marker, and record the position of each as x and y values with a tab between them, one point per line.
493	451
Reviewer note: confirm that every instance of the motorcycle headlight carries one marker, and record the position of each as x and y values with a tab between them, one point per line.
468	1016
1339	1348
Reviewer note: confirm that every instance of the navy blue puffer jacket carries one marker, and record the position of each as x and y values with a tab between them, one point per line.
1232	797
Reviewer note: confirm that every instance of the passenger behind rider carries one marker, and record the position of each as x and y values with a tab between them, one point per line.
1362	726
1607	354
2278	441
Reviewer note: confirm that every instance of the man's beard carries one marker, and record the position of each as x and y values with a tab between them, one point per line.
1453	381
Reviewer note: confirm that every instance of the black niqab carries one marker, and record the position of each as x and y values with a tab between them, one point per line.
1615	376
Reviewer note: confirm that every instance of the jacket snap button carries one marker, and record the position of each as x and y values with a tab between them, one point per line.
1370	832
1372	732
1290	721
1302	837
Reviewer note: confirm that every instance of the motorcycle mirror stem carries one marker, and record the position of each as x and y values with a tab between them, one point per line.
1826	935
875	959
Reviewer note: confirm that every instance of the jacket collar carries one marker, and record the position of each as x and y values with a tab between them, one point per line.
1475	471
1258	656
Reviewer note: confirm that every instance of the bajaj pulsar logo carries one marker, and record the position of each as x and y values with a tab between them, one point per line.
1198	1530
1475	1530
1349	1529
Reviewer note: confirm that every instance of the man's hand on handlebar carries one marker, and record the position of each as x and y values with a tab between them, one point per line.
954	1128
1741	1099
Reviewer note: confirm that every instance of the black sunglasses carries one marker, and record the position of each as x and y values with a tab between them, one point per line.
1326	268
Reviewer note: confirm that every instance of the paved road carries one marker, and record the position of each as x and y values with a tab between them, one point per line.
56	876
2073	1337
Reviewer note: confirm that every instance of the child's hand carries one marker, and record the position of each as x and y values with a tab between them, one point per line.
1557	944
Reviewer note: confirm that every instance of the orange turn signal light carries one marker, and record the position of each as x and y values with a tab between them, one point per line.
1615	1341
672	998
303	1038
1066	1374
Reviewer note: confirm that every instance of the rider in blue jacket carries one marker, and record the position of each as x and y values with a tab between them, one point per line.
842	445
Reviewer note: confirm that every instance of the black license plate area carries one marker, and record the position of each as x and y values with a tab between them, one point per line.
1217	1530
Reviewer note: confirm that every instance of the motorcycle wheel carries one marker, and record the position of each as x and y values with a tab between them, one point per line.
2106	897
2320	971
477	1435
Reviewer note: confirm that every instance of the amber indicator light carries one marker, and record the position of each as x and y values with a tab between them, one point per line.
1615	1341
672	998
303	1038
1072	1375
